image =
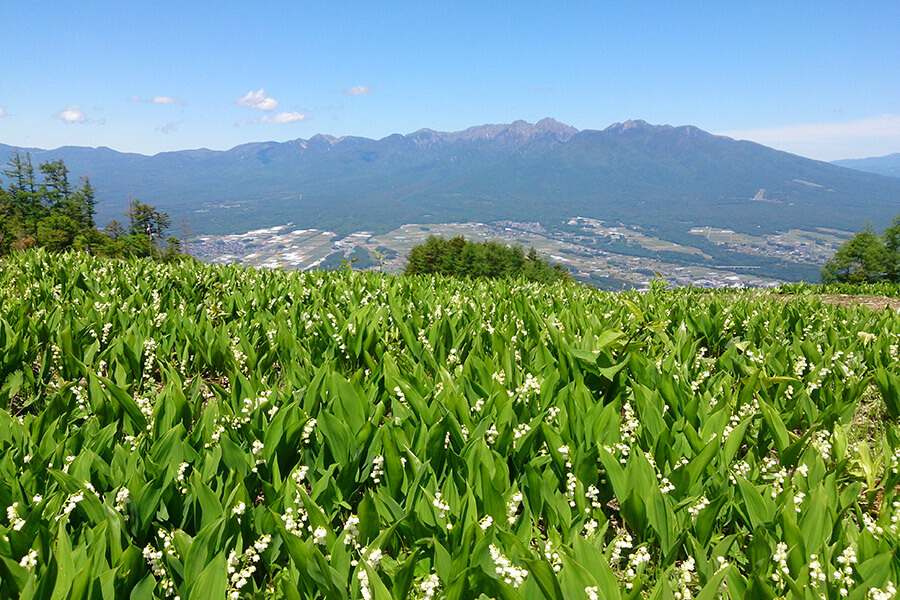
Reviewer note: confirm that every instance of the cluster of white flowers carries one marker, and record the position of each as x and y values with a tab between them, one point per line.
400	396
640	557
80	394
592	494
154	560
799	497
150	346
530	387
180	477
895	517
439	504
552	556
308	430
491	434
486	522
622	542
844	575
552	413
12	515
822	444
29	561
295	524
519	432
241	567
71	502
695	509
351	530
257	452
239	357
873	527
592	592
775	474
123	499
430	586
888	593
723	564
895	461
780	558
377	468
628	427
319	535
816	574
686	578
590	527
511	574
107	327
741	468
512	507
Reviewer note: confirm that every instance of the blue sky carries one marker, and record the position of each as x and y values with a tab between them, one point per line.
818	78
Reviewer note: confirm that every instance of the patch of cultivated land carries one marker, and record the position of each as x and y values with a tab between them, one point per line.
595	251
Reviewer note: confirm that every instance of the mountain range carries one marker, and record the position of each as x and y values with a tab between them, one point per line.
883	165
662	176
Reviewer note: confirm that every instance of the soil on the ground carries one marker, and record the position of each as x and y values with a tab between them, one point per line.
871	302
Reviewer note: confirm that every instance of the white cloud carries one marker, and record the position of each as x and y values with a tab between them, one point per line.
166	100
169	127
257	100
282	117
157	100
2	112
829	141
358	90
73	114
285	117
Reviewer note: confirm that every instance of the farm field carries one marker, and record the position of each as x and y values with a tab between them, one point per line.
577	250
208	431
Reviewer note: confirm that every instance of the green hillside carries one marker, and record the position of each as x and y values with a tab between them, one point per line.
635	172
183	430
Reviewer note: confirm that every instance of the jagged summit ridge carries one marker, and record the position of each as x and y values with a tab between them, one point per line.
517	130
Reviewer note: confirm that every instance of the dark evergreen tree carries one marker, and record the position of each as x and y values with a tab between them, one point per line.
458	257
864	258
56	190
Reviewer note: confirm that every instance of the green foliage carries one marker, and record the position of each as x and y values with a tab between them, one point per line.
866	258
53	215
458	257
201	431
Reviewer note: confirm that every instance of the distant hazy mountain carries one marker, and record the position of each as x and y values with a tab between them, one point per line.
883	165
662	176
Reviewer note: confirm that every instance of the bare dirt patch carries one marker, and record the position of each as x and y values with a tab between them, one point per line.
870	302
873	302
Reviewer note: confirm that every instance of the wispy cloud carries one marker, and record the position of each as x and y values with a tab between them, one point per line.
2	112
358	90
169	127
282	117
73	114
258	100
158	100
882	126
828	141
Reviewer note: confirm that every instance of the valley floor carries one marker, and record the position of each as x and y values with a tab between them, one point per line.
607	255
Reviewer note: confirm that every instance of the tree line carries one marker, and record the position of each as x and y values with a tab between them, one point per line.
867	257
41	207
459	257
